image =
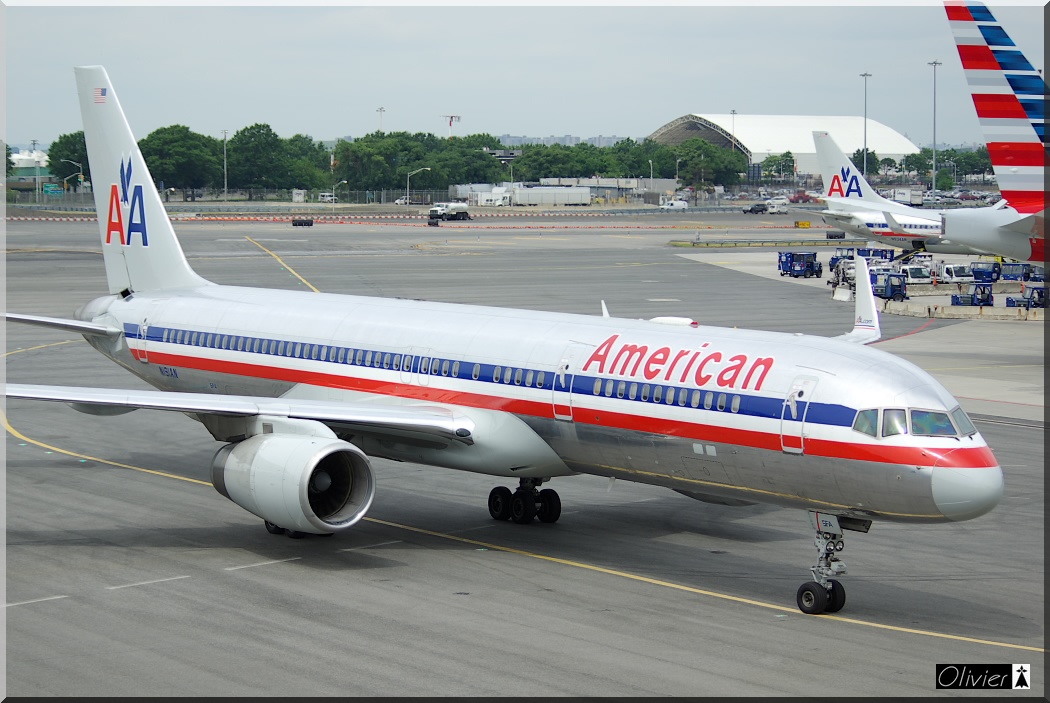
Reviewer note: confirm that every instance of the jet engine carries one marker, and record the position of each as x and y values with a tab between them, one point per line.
300	482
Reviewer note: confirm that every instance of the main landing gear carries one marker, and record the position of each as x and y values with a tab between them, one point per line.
294	534
825	594
526	503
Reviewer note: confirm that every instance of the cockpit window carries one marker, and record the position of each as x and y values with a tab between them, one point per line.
894	422
867	422
963	422
931	424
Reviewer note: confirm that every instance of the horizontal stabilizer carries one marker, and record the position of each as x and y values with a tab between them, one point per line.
62	324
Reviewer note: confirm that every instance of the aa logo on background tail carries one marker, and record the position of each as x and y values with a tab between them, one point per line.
845	183
119	205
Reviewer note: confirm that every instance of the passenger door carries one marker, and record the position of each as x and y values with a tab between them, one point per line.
793	414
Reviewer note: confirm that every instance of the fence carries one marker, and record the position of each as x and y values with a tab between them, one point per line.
213	196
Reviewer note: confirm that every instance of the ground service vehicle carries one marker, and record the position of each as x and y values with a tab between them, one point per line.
985	271
953	273
1015	271
675	205
889	286
777	209
805	264
840	253
1038	273
1033	296
916	274
327	198
979	294
874	254
450	211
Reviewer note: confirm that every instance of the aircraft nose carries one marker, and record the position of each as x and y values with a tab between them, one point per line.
966	493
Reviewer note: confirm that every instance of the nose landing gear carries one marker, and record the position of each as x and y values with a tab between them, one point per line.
825	594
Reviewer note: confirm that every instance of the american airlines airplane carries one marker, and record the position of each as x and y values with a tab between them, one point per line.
854	206
306	388
1010	98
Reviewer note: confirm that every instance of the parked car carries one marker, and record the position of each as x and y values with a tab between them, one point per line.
757	209
403	200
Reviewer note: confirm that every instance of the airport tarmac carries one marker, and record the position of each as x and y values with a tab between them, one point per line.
127	574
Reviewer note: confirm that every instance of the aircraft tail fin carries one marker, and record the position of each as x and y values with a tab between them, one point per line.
866	327
842	179
139	245
1009	96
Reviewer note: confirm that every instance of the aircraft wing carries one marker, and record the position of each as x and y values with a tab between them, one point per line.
866	328
426	421
63	324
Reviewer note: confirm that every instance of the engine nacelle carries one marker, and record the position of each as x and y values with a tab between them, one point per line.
299	482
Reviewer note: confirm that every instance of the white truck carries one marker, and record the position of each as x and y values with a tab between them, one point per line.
907	196
916	274
953	273
449	211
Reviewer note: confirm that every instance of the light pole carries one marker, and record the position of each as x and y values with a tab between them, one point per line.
865	76
333	192
676	162
224	190
408	179
380	110
935	64
650	174
80	171
36	178
733	145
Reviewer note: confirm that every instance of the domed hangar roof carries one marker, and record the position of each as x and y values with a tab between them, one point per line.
761	136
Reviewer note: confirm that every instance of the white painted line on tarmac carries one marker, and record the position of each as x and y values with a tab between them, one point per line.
145	583
663	300
38	600
261	563
370	546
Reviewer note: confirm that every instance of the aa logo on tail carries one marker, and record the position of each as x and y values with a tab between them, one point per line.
845	183
119	205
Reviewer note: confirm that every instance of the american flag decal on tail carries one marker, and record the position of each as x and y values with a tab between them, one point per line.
1009	95
100	95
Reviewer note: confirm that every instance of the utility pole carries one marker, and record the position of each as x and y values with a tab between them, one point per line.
380	110
933	188
36	178
451	119
865	76
224	191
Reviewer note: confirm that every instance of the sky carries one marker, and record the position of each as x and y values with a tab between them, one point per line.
534	70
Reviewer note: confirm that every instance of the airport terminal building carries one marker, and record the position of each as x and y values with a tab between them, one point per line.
762	136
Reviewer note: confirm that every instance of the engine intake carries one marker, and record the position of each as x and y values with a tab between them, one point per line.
303	483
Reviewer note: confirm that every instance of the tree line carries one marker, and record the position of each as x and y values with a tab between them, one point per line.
257	158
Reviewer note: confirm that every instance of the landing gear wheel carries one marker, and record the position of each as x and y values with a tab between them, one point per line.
836	596
812	598
295	534
499	503
523	507
272	528
550	506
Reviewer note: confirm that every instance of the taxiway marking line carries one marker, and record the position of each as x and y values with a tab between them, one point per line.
261	563
38	600
41	346
286	266
698	591
145	583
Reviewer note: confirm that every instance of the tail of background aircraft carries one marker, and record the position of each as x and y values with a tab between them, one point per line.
1009	95
845	182
138	242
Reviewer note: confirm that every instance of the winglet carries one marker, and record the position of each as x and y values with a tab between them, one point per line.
895	226
866	327
605	310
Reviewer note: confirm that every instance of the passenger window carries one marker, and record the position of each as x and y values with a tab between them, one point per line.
316	351
931	424
444	367
658	393
517	377
609	388
695	399
670	396
528	378
620	387
721	401
632	392
424	365
324	353
397	362
736	404
539	379
240	344
645	392
894	422
709	399
455	369
255	345
867	422
368	358
381	360
280	348
211	341
683	398
506	374
342	355
496	373
359	356
475	372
